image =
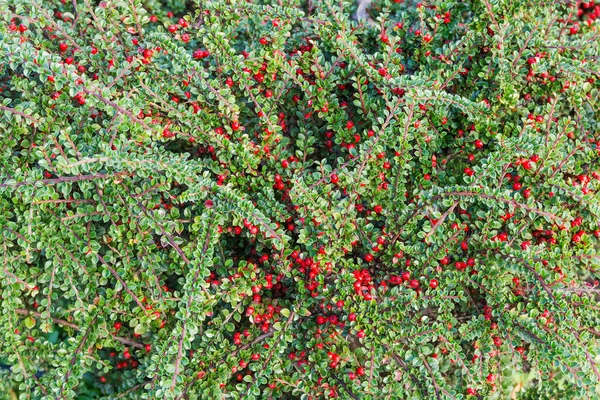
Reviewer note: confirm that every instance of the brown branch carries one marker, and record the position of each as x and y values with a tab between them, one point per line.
553	298
400	362
441	220
362	100
409	117
506	201
258	339
372	366
62	322
77	178
341	382
564	161
189	302
77	351
19	113
118	108
49	298
21	281
179	355
137	196
68	217
579	290
435	385
63	201
118	277
541	342
74	23
134	388
57	27
26	375
521	50
287	324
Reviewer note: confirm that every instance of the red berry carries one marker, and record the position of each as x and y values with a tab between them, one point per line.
333	178
517	186
433	283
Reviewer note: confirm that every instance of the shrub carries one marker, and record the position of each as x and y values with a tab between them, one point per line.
232	199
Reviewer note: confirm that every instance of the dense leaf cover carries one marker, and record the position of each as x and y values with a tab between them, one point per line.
261	199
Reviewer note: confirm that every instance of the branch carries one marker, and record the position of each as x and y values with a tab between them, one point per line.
118	277
190	300
441	220
506	201
341	382
412	376
134	388
77	178
21	281
19	113
119	109
62	322
179	355
79	348
435	385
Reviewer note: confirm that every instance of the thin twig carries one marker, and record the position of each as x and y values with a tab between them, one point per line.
62	322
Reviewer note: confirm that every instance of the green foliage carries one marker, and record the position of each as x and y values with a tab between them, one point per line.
252	199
